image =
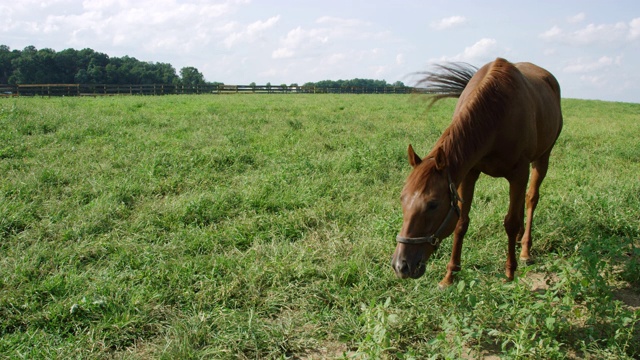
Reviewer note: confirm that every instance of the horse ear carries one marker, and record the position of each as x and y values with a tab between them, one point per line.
414	159
441	161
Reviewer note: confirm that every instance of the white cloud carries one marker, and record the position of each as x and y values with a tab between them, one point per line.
333	30
595	33
634	29
600	33
335	59
594	80
378	70
260	26
552	33
480	49
449	22
483	49
298	39
335	21
153	25
251	32
576	18
282	53
584	66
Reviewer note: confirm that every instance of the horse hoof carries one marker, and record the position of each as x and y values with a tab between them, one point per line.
443	286
527	261
507	280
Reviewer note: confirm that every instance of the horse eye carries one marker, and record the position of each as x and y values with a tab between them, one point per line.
432	205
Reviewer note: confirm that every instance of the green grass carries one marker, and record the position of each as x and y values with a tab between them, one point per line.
262	227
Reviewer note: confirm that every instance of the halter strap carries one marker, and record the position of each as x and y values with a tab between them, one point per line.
434	240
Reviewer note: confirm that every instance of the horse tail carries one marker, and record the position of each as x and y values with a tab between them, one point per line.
446	80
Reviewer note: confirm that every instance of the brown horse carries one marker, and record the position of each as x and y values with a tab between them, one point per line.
507	117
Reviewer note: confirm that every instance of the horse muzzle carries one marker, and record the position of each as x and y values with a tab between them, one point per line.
408	266
405	270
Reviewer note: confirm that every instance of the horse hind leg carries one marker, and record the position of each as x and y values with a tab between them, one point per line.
515	215
538	173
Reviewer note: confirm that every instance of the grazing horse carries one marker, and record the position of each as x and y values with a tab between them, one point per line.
507	118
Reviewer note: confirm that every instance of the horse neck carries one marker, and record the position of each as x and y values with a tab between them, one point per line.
464	143
479	114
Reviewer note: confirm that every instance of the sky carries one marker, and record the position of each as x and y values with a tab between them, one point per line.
591	46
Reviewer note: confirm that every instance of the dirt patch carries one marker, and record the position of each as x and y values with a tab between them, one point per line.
488	354
328	350
629	297
540	282
627	293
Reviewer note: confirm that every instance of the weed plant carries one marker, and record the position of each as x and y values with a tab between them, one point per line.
262	227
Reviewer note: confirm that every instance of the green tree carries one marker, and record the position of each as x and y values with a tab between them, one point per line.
25	67
6	58
166	74
191	76
86	66
66	65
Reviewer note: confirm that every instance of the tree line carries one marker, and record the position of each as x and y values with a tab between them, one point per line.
353	83
87	66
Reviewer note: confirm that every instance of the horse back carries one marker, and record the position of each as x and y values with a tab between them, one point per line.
521	101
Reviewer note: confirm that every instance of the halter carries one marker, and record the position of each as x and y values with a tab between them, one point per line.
434	240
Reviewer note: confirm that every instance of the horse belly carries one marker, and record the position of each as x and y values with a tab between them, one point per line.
497	167
548	130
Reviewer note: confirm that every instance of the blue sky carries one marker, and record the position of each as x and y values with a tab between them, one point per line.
593	47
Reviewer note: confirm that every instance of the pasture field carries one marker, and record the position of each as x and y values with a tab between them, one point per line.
262	226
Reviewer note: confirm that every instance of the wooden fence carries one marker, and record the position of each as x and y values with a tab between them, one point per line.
168	89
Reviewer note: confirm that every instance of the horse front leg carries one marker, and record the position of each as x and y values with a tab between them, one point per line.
514	219
466	192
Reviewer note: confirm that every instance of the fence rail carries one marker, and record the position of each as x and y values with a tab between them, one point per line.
168	89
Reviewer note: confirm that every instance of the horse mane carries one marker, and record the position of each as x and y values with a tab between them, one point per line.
480	111
447	80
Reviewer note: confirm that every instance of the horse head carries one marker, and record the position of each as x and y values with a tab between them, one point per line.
430	211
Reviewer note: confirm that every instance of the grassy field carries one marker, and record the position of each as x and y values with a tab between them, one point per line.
262	226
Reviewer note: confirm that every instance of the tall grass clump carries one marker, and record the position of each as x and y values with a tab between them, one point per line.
262	227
